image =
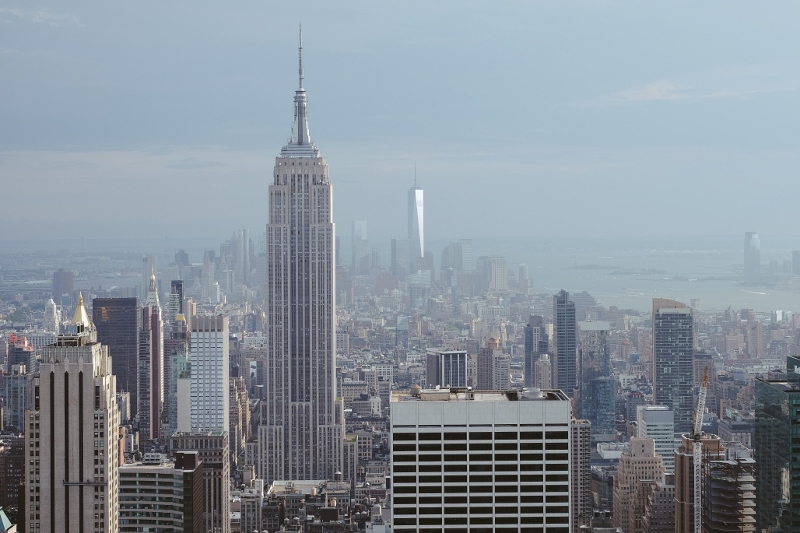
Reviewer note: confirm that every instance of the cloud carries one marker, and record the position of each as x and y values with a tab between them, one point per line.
8	51
38	16
192	163
656	91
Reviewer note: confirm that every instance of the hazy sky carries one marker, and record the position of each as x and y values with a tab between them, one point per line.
554	117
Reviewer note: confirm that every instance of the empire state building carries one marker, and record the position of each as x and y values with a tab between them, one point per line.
301	432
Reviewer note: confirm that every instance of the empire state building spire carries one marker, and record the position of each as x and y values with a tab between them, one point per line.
300	144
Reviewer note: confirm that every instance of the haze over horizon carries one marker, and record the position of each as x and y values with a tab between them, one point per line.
565	119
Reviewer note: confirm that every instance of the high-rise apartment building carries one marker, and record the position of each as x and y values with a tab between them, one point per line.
565	349
209	357
150	373
752	258
657	422
446	368
480	461
71	435
673	352
301	433
777	464
416	234
596	391
494	367
118	321
543	372
536	344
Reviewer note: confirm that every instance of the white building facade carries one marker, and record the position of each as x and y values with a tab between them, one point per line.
481	461
210	371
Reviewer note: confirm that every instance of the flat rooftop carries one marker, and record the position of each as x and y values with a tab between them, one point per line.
466	395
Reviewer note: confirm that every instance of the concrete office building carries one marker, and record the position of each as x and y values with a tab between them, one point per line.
301	434
480	461
214	453
446	368
673	360
72	431
657	422
157	495
636	467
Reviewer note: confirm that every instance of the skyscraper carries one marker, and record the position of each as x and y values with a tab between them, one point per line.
595	397
360	249
535	344
446	368
210	373
752	258
72	433
480	461
673	349
118	321
777	463
301	434
151	365
565	354
416	234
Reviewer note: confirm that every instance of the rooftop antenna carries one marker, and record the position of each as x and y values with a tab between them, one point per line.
300	70
415	173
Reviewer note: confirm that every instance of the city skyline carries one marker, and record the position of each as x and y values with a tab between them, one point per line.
592	125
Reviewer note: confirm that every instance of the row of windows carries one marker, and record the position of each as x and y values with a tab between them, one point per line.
551	510
478	499
450	489
484	435
473	457
498	478
513	446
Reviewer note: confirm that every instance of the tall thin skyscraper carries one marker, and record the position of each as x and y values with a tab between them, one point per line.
565	350
210	361
151	365
301	433
72	433
416	234
752	258
118	321
360	249
673	349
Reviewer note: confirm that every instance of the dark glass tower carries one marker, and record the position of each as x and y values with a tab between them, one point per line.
565	345
673	357
777	454
595	397
118	322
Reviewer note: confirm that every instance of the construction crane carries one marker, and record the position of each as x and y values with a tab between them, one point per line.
697	432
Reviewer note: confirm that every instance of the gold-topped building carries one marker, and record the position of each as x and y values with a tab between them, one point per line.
72	435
